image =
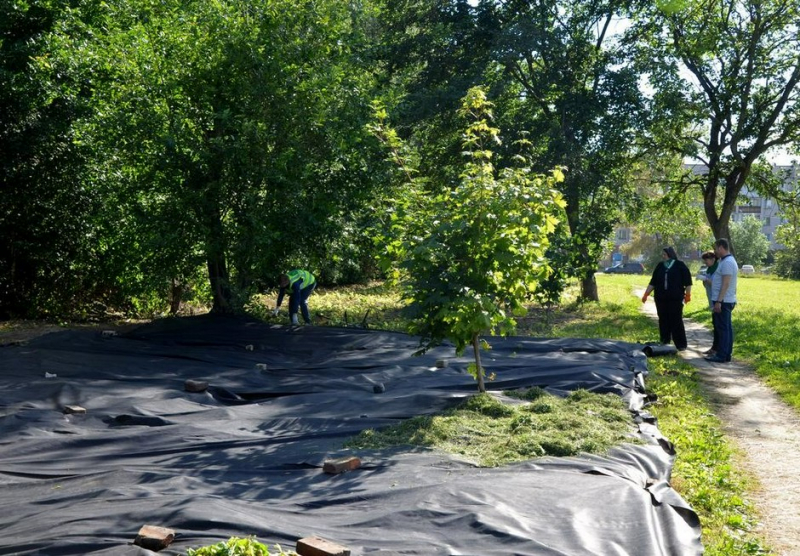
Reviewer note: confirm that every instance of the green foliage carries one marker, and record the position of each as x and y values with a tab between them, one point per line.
730	72
48	262
749	244
225	137
787	260
495	433
236	547
469	254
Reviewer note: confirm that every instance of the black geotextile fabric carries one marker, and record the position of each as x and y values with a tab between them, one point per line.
246	456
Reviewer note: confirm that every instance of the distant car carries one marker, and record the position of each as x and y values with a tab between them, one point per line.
748	269
625	268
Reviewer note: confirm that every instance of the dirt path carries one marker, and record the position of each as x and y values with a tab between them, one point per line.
766	430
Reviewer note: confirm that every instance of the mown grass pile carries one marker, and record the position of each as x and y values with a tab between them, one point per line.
493	432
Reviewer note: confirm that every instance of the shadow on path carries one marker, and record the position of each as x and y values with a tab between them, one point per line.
766	429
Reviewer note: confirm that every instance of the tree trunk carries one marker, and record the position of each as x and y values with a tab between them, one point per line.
175	297
589	288
476	348
218	276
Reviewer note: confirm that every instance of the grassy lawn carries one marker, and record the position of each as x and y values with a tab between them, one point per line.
705	471
766	325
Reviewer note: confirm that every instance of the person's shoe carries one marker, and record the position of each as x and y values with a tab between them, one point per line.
716	359
294	320
710	352
682	348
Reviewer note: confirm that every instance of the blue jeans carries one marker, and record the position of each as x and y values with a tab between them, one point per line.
301	301
724	327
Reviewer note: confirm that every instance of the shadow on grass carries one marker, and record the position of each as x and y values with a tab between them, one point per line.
608	321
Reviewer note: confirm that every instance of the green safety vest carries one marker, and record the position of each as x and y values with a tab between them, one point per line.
304	275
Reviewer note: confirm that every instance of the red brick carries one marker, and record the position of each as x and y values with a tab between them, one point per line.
341	465
316	546
154	538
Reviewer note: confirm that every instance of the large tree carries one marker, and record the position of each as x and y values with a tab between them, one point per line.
568	75
559	75
737	63
226	132
45	210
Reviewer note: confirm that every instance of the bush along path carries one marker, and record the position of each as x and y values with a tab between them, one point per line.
766	431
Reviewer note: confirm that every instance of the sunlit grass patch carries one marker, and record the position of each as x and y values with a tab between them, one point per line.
766	323
490	433
375	306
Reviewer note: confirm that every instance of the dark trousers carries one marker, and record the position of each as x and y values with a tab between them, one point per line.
301	302
723	325
670	322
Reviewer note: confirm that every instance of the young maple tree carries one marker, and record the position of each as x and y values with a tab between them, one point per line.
469	255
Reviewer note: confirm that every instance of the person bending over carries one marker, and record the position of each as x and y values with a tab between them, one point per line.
300	284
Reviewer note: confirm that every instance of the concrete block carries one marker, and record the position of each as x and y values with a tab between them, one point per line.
152	537
441	363
74	409
341	465
108	333
195	385
261	366
316	546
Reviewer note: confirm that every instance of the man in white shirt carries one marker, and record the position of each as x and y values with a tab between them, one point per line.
723	294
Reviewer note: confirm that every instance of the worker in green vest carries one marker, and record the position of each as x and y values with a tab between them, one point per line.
299	284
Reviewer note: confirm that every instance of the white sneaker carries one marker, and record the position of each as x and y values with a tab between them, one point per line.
294	320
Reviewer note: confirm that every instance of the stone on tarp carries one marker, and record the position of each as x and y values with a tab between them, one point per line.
317	546
195	385
74	409
153	537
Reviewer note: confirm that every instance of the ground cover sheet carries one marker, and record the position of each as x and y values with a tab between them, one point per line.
245	457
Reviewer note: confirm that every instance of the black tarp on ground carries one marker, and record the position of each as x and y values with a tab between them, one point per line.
245	457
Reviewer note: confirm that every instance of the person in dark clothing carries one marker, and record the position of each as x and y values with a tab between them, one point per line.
672	283
299	284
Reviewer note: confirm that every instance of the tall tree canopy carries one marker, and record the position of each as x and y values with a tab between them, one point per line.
228	133
560	77
737	64
46	254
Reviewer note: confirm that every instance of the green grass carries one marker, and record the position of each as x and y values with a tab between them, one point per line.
376	303
766	325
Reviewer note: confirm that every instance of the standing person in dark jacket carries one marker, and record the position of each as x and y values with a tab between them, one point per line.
672	283
299	284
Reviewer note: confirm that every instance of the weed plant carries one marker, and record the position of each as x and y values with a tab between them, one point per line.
238	547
